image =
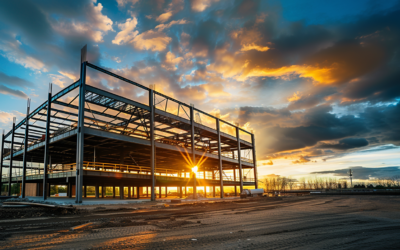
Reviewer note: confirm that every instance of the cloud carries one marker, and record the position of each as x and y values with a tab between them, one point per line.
347	143
301	160
6	117
122	3
7	91
100	21
308	89
362	173
69	75
164	17
267	163
201	5
13	52
252	46
57	80
174	7
155	40
151	40
161	27
171	61
96	26
294	97
14	80
127	32
379	148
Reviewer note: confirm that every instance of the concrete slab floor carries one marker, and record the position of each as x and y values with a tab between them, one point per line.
112	201
87	201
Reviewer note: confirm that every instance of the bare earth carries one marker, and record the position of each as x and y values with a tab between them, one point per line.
312	222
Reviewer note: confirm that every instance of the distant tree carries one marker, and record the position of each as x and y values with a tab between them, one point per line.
291	182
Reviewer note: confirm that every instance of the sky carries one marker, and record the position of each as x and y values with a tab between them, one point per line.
317	81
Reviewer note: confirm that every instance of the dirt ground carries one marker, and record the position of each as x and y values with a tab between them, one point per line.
310	222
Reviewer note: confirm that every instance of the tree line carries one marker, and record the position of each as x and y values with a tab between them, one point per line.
281	183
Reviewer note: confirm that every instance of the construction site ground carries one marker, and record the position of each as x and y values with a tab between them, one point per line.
307	222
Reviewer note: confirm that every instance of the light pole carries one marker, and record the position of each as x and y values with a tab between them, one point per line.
194	170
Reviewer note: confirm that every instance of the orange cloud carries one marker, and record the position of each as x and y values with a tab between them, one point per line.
164	17
174	7
161	27
170	61
201	5
151	40
294	97
319	75
301	160
127	32
267	163
253	46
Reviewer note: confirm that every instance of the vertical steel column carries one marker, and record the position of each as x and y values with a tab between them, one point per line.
69	189
254	160
240	160
11	158
46	144
25	150
221	178
80	142
1	160
152	143
193	151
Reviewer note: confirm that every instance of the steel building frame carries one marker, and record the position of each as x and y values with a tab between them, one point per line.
98	127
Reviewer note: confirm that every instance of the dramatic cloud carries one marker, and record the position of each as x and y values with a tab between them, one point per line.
14	80
127	32
311	88
201	5
174	7
151	40
7	91
365	173
347	143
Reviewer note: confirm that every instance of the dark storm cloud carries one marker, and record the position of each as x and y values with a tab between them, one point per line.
347	143
245	8
25	16
365	173
380	148
315	126
376	87
39	24
312	99
248	48
14	81
8	91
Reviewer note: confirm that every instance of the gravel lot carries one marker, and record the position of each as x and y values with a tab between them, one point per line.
310	222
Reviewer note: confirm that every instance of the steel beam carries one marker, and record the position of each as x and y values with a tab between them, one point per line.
58	95
80	135
152	145
115	97
193	149
3	138
239	160
25	150
221	178
11	157
46	145
254	160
